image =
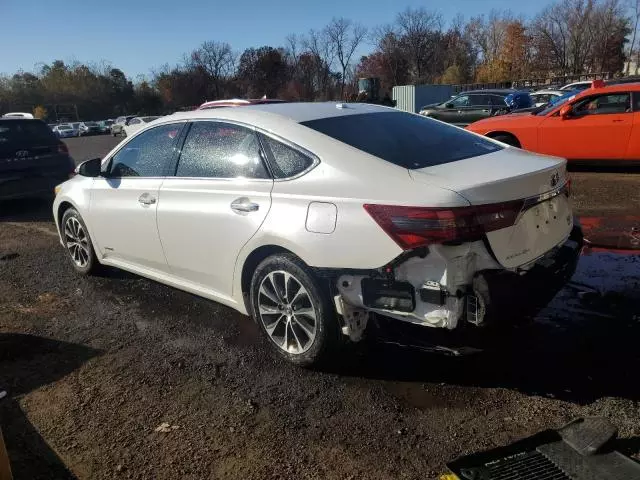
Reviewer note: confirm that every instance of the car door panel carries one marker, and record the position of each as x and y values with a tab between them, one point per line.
595	136
123	217
125	198
206	215
201	232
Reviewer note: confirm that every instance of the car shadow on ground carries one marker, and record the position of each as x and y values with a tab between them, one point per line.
578	362
28	362
26	210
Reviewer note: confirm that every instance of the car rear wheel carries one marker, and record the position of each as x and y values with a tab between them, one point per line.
294	310
76	240
508	139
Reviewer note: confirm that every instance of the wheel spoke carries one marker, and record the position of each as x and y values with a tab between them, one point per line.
274	286
301	293
267	310
270	295
305	328
285	341
293	330
270	329
307	312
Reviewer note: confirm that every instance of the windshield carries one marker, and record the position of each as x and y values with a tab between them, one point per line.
406	140
556	102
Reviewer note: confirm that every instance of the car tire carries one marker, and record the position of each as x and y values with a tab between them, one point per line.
508	139
82	254
304	328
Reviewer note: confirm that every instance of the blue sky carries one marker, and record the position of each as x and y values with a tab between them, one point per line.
138	35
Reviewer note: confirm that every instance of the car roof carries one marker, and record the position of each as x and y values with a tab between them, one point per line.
501	91
236	102
265	114
547	91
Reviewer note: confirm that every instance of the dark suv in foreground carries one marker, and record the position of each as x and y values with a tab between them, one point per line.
32	159
469	107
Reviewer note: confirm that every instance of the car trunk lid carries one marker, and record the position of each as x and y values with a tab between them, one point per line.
512	175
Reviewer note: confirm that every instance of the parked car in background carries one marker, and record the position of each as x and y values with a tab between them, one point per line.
118	125
578	85
452	237
596	125
89	128
32	159
136	123
17	115
542	97
66	130
238	102
105	126
469	107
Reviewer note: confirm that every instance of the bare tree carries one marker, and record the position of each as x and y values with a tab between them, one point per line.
217	59
317	42
635	9
419	29
344	37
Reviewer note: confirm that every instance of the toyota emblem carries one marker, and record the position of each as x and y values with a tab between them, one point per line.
555	178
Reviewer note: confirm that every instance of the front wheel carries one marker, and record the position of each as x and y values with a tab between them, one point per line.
293	310
76	240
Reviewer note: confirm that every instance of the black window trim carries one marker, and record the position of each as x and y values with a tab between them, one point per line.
315	161
601	94
173	170
106	162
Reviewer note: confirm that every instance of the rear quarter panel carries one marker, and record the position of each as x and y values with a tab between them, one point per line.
524	128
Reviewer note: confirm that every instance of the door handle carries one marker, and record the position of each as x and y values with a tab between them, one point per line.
146	199
244	205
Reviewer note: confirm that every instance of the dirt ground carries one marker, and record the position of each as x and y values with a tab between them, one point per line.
120	377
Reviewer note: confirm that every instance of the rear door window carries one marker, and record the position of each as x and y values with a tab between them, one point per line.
406	140
221	150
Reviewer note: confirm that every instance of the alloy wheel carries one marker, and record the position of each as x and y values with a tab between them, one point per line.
287	312
77	242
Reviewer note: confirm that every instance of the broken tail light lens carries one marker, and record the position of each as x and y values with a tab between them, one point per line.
412	227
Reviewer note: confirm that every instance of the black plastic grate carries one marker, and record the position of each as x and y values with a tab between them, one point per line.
528	466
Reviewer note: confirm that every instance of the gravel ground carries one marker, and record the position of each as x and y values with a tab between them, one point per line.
120	377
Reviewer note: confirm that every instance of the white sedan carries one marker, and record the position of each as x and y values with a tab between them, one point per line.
136	123
311	217
542	97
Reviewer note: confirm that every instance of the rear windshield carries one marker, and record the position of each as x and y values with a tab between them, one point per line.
28	132
406	140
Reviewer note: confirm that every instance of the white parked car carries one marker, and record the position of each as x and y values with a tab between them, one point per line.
310	217
583	85
542	97
136	123
17	115
66	130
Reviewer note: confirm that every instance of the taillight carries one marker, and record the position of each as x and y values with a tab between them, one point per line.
412	227
62	148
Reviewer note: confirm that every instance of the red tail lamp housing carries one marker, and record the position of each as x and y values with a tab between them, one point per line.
412	227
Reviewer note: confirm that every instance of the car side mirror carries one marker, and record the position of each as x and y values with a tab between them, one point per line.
90	168
566	111
449	105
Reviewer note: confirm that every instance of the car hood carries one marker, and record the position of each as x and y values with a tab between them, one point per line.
505	121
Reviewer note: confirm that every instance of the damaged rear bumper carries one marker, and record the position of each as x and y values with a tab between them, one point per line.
455	287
